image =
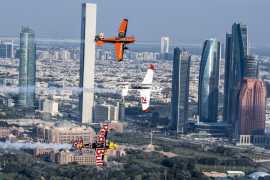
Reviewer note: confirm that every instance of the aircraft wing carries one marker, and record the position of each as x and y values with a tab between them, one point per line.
119	51
123	28
145	93
100	153
145	99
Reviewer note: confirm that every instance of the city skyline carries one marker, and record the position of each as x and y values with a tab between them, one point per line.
168	110
191	12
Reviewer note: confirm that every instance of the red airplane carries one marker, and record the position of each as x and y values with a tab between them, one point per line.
119	42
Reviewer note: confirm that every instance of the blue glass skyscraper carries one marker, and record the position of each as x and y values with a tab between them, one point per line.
27	69
235	63
228	54
208	81
180	90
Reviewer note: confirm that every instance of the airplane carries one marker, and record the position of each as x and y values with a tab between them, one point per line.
145	88
101	145
119	42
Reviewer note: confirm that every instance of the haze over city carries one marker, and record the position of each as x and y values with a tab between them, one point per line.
136	90
186	21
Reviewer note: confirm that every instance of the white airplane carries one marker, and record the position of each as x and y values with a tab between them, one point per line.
145	88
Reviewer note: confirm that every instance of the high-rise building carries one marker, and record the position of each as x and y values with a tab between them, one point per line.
209	81
236	53
87	62
251	67
165	44
180	90
252	107
228	53
6	49
27	69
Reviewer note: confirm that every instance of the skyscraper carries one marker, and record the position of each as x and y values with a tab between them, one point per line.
236	53
228	53
87	62
252	107
208	81
165	43
27	69
180	90
6	49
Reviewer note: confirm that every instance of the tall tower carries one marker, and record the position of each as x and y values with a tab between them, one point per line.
227	82
252	107
164	46
27	69
87	62
180	90
236	53
208	81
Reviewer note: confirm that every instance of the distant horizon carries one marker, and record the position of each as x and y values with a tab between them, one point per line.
188	21
138	43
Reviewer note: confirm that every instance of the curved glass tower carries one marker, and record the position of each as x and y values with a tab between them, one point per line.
208	81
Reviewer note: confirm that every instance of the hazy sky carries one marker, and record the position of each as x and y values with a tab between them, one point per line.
187	21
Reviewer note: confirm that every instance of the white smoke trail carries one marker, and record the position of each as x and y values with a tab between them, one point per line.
78	41
19	146
75	90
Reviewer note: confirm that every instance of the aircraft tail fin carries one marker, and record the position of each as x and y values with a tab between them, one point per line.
123	28
149	75
145	99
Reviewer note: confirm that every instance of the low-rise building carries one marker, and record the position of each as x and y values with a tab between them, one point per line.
117	126
51	107
64	134
85	157
4	132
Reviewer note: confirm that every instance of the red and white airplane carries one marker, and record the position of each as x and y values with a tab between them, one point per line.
119	42
145	88
101	145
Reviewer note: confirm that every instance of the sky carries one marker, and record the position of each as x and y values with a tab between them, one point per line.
185	21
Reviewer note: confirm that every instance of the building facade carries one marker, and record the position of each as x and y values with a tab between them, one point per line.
87	62
27	69
50	106
64	134
209	81
106	113
252	107
180	90
251	67
6	49
66	157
